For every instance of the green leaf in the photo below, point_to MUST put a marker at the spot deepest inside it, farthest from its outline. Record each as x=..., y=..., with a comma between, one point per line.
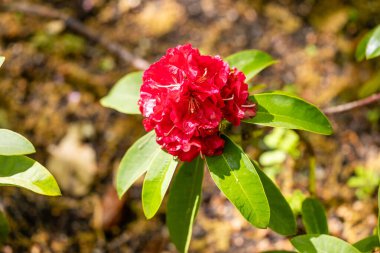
x=314, y=217
x=12, y=143
x=237, y=178
x=4, y=227
x=124, y=96
x=361, y=48
x=183, y=203
x=371, y=86
x=373, y=47
x=156, y=183
x=2, y=59
x=277, y=109
x=272, y=157
x=367, y=244
x=250, y=62
x=143, y=155
x=24, y=172
x=282, y=219
x=322, y=244
x=283, y=139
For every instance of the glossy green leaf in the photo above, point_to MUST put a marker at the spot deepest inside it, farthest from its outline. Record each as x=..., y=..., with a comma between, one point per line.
x=2, y=59
x=369, y=46
x=282, y=219
x=361, y=48
x=237, y=178
x=314, y=217
x=367, y=244
x=12, y=143
x=143, y=155
x=250, y=62
x=124, y=96
x=277, y=109
x=4, y=227
x=322, y=244
x=373, y=46
x=156, y=183
x=183, y=203
x=24, y=172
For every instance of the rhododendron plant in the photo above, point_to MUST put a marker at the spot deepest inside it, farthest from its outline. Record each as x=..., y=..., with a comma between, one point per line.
x=186, y=99
x=185, y=96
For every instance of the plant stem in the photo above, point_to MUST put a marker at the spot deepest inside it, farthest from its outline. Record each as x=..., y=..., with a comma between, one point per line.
x=312, y=177
x=353, y=105
x=45, y=11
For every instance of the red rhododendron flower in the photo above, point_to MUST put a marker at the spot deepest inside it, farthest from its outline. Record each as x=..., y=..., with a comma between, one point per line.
x=235, y=95
x=185, y=96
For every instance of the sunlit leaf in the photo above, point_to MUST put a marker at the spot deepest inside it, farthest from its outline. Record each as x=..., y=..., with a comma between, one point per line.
x=373, y=45
x=361, y=48
x=367, y=244
x=24, y=172
x=295, y=201
x=4, y=227
x=236, y=177
x=2, y=58
x=250, y=62
x=272, y=157
x=183, y=203
x=12, y=143
x=283, y=139
x=314, y=217
x=322, y=244
x=282, y=219
x=369, y=46
x=156, y=183
x=124, y=96
x=142, y=156
x=277, y=109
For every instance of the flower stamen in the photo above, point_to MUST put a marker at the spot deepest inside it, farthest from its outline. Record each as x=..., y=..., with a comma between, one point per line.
x=249, y=106
x=203, y=77
x=167, y=134
x=230, y=98
x=205, y=73
x=168, y=86
x=193, y=105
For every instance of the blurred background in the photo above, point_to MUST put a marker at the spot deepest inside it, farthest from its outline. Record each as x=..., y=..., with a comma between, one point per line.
x=63, y=56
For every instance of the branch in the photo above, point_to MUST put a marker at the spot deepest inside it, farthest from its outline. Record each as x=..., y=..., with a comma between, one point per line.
x=353, y=105
x=75, y=25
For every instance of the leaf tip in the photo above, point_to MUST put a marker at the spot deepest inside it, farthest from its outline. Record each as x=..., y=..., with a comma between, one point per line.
x=56, y=194
x=120, y=192
x=119, y=189
x=148, y=214
x=103, y=101
x=148, y=209
x=32, y=149
x=329, y=130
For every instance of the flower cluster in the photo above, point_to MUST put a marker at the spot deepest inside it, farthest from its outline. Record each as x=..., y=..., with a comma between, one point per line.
x=185, y=96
